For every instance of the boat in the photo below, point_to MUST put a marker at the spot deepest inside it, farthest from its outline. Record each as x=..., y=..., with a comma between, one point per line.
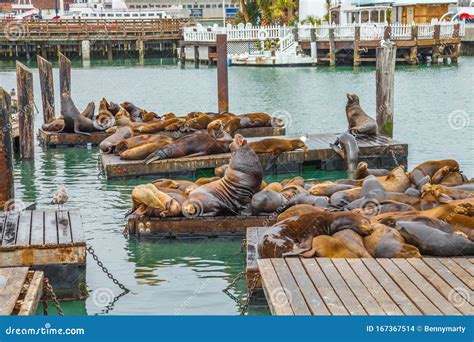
x=464, y=10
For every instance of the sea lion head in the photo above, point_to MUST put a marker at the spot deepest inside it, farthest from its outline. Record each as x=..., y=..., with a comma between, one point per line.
x=352, y=99
x=191, y=208
x=298, y=143
x=278, y=122
x=167, y=116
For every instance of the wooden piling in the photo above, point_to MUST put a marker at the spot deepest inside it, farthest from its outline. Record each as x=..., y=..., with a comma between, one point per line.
x=332, y=48
x=314, y=44
x=64, y=76
x=196, y=57
x=435, y=52
x=356, y=46
x=24, y=81
x=385, y=72
x=47, y=89
x=6, y=150
x=222, y=77
x=182, y=56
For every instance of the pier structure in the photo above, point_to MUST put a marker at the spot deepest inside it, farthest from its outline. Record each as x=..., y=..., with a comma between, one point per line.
x=90, y=38
x=326, y=44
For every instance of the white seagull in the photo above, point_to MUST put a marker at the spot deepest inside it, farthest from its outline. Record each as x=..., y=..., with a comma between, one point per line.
x=60, y=198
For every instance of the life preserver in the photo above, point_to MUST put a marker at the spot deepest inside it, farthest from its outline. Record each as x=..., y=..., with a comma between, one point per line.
x=262, y=34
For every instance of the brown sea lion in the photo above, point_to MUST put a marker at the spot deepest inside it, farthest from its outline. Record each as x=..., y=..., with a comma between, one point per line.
x=454, y=179
x=233, y=193
x=167, y=116
x=54, y=125
x=181, y=185
x=88, y=112
x=346, y=147
x=447, y=192
x=397, y=180
x=297, y=211
x=220, y=170
x=344, y=197
x=268, y=201
x=275, y=147
x=74, y=122
x=205, y=180
x=156, y=126
x=324, y=246
x=140, y=140
x=197, y=144
x=177, y=125
x=124, y=131
x=353, y=242
x=148, y=200
x=274, y=186
x=429, y=168
x=259, y=120
x=196, y=123
x=362, y=171
x=328, y=188
x=359, y=121
x=142, y=151
x=386, y=242
x=135, y=112
x=104, y=116
x=440, y=175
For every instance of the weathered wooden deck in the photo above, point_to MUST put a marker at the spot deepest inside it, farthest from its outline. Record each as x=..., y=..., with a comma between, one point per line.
x=46, y=240
x=376, y=150
x=20, y=291
x=199, y=227
x=322, y=286
x=55, y=139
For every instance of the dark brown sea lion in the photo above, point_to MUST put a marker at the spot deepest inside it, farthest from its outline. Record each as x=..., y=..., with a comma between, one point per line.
x=74, y=122
x=362, y=171
x=346, y=147
x=88, y=112
x=429, y=168
x=440, y=175
x=275, y=147
x=140, y=140
x=434, y=242
x=268, y=201
x=113, y=107
x=233, y=193
x=353, y=242
x=197, y=144
x=135, y=112
x=324, y=246
x=124, y=131
x=297, y=211
x=359, y=121
x=386, y=242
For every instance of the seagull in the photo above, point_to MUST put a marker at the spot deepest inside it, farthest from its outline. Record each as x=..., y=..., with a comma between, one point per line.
x=60, y=198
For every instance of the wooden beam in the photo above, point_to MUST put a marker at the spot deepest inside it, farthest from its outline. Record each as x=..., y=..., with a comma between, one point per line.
x=47, y=88
x=64, y=76
x=222, y=78
x=6, y=150
x=332, y=48
x=24, y=80
x=385, y=75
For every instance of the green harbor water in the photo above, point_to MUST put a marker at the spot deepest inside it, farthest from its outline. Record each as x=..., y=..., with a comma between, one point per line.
x=434, y=114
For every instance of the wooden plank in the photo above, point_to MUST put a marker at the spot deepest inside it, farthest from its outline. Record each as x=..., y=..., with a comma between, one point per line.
x=461, y=288
x=33, y=295
x=428, y=290
x=331, y=299
x=278, y=301
x=50, y=227
x=64, y=77
x=45, y=69
x=14, y=279
x=11, y=226
x=64, y=228
x=37, y=228
x=7, y=191
x=365, y=298
x=24, y=228
x=42, y=256
x=374, y=287
x=459, y=272
x=288, y=283
x=306, y=286
x=340, y=287
x=398, y=296
x=442, y=286
x=466, y=264
x=77, y=230
x=3, y=217
x=24, y=81
x=416, y=296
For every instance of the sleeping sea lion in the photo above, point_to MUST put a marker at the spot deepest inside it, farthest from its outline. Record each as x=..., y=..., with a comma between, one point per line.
x=397, y=180
x=74, y=122
x=328, y=188
x=274, y=186
x=346, y=147
x=304, y=197
x=104, y=116
x=124, y=131
x=429, y=168
x=205, y=180
x=353, y=242
x=143, y=151
x=386, y=242
x=140, y=140
x=275, y=147
x=233, y=193
x=324, y=246
x=259, y=120
x=297, y=211
x=268, y=201
x=148, y=200
x=359, y=121
x=362, y=171
x=54, y=125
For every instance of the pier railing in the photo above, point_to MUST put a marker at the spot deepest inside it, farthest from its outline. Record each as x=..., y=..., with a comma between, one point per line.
x=236, y=33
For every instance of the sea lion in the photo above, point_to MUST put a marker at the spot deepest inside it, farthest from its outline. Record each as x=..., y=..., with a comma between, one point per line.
x=104, y=116
x=140, y=140
x=295, y=181
x=148, y=200
x=259, y=120
x=274, y=186
x=135, y=112
x=362, y=171
x=297, y=211
x=205, y=180
x=346, y=147
x=446, y=192
x=177, y=125
x=275, y=147
x=353, y=242
x=113, y=108
x=54, y=125
x=197, y=144
x=268, y=201
x=157, y=126
x=440, y=174
x=88, y=112
x=359, y=121
x=196, y=123
x=344, y=197
x=454, y=178
x=142, y=151
x=220, y=170
x=328, y=188
x=371, y=208
x=124, y=131
x=74, y=122
x=232, y=193
x=427, y=169
x=304, y=197
x=434, y=242
x=324, y=246
x=386, y=242
x=181, y=185
x=397, y=180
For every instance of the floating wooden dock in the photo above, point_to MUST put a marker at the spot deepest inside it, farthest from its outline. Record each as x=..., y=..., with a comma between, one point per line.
x=46, y=240
x=377, y=151
x=55, y=139
x=20, y=291
x=199, y=227
x=323, y=286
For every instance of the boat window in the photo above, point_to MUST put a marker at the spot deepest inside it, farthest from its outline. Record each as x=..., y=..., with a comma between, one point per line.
x=110, y=15
x=102, y=15
x=159, y=15
x=85, y=15
x=118, y=14
x=208, y=6
x=135, y=15
x=214, y=5
x=151, y=14
x=132, y=6
x=93, y=15
x=126, y=15
x=201, y=6
x=220, y=5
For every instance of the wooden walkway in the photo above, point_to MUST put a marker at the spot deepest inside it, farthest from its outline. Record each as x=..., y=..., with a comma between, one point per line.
x=54, y=139
x=47, y=240
x=198, y=227
x=322, y=286
x=20, y=291
x=376, y=150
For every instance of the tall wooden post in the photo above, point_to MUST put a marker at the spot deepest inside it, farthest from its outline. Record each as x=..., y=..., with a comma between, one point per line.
x=24, y=81
x=356, y=61
x=385, y=77
x=64, y=76
x=222, y=77
x=435, y=53
x=196, y=57
x=314, y=44
x=332, y=48
x=47, y=89
x=6, y=150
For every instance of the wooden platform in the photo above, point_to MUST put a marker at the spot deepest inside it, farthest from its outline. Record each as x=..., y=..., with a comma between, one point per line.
x=20, y=291
x=46, y=240
x=55, y=139
x=199, y=227
x=376, y=151
x=322, y=286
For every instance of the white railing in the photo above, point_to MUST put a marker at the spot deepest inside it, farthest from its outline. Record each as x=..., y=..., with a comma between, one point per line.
x=372, y=31
x=446, y=30
x=344, y=31
x=400, y=32
x=425, y=31
x=287, y=42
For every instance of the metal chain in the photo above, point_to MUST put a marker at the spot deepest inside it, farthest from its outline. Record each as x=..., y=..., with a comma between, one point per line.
x=232, y=284
x=105, y=270
x=250, y=293
x=109, y=307
x=45, y=300
x=242, y=248
x=49, y=291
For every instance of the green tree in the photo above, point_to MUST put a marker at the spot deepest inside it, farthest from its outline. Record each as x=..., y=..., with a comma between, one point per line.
x=282, y=11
